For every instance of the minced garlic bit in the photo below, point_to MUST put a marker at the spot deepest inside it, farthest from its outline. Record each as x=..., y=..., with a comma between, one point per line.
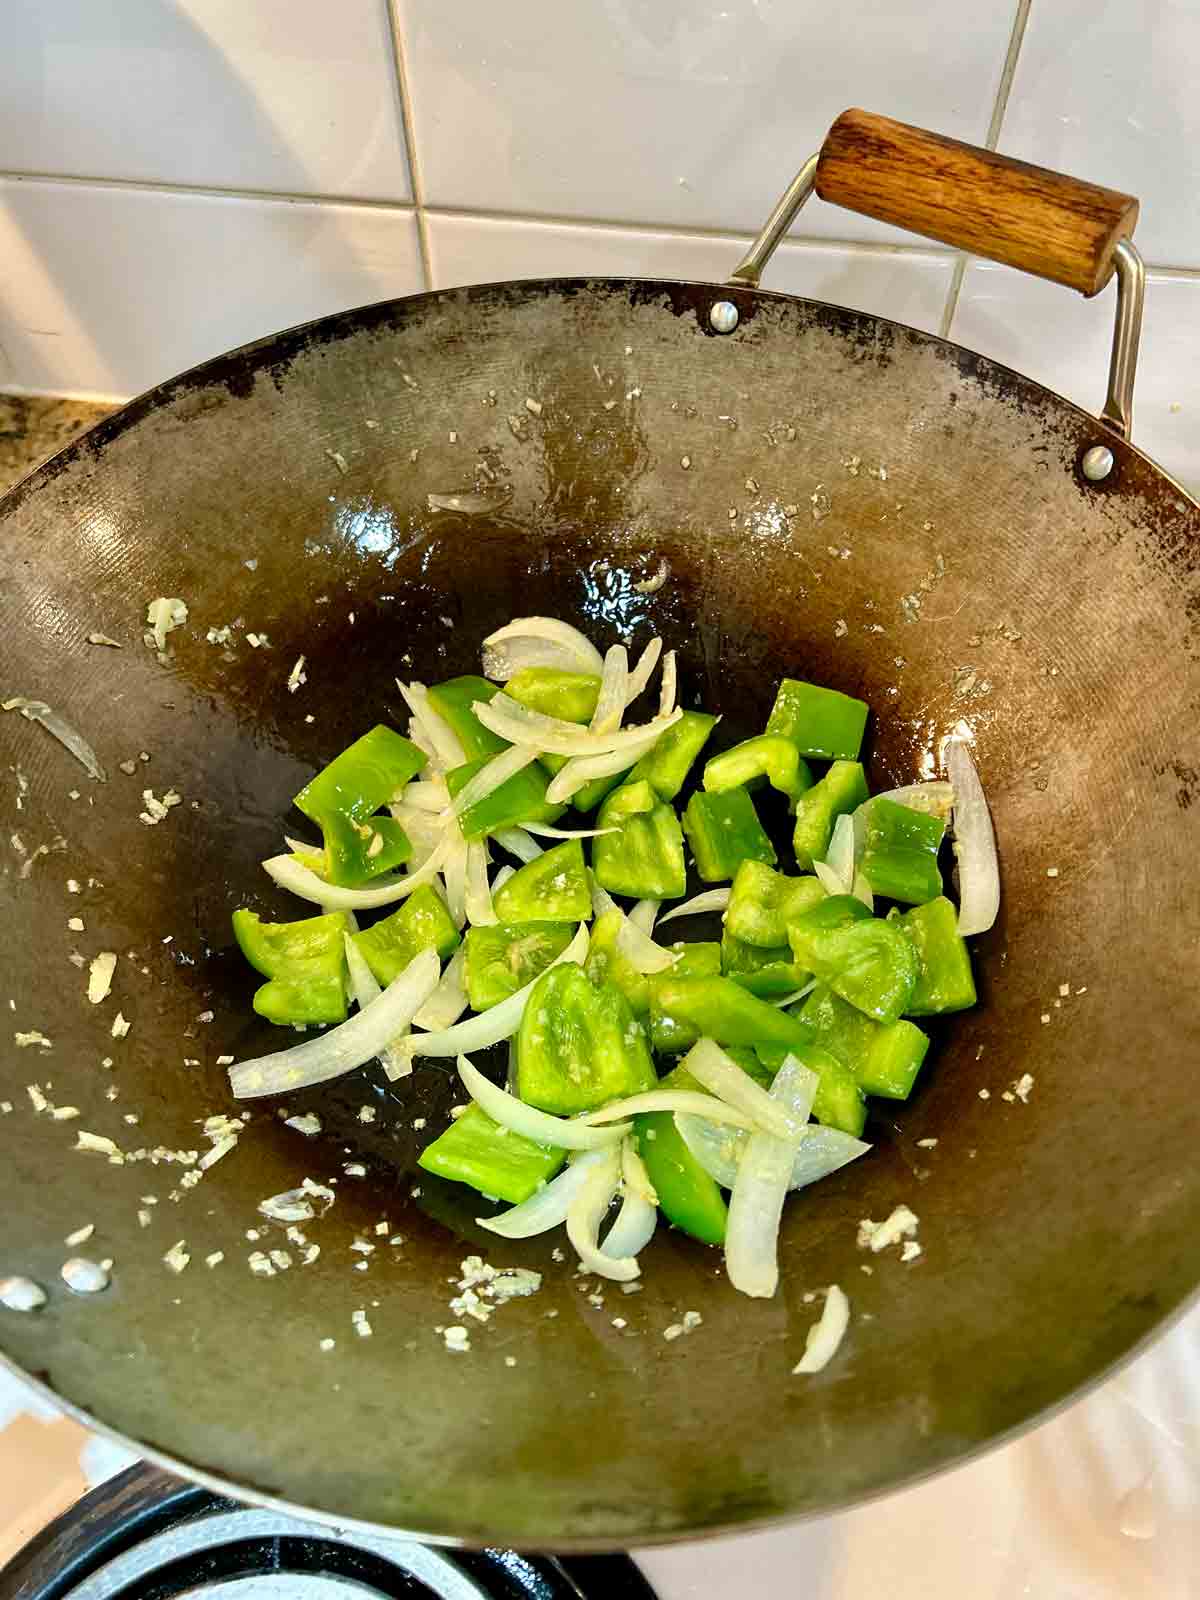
x=877, y=1236
x=36, y=1098
x=156, y=809
x=214, y=1259
x=308, y=1124
x=164, y=616
x=361, y=1326
x=673, y=1332
x=82, y=1276
x=260, y=1264
x=926, y=1144
x=910, y=1250
x=691, y=1319
x=1022, y=1087
x=24, y=1040
x=120, y=1027
x=21, y=1294
x=457, y=1340
x=100, y=976
x=327, y=1344
x=96, y=1142
x=144, y=1217
x=177, y=1256
x=338, y=460
x=76, y=924
x=1052, y=872
x=366, y=1113
x=103, y=638
x=297, y=675
x=65, y=1113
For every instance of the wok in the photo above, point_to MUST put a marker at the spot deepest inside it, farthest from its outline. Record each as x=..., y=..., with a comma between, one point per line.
x=285, y=485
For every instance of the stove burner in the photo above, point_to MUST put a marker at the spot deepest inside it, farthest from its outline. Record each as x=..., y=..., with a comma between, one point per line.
x=145, y=1535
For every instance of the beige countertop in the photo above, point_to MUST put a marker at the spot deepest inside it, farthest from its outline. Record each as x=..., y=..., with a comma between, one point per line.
x=33, y=428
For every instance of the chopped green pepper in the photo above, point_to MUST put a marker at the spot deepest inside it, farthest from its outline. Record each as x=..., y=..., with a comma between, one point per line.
x=763, y=902
x=579, y=1045
x=553, y=887
x=687, y=1195
x=522, y=798
x=723, y=831
x=356, y=852
x=452, y=701
x=305, y=963
x=768, y=973
x=699, y=958
x=606, y=964
x=884, y=1059
x=367, y=774
x=645, y=858
x=945, y=981
x=900, y=851
x=571, y=696
x=503, y=957
x=722, y=1010
x=501, y=1164
x=770, y=756
x=667, y=765
x=868, y=962
x=838, y=1102
x=421, y=923
x=819, y=722
x=843, y=788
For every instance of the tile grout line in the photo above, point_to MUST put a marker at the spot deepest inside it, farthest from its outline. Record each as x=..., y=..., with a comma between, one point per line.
x=1004, y=90
x=410, y=139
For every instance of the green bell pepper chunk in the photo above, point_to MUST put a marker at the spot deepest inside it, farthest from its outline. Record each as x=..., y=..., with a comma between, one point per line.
x=700, y=958
x=305, y=963
x=885, y=1060
x=356, y=852
x=553, y=887
x=843, y=788
x=571, y=696
x=687, y=1195
x=767, y=973
x=667, y=765
x=452, y=700
x=606, y=964
x=723, y=831
x=499, y=1163
x=900, y=852
x=763, y=902
x=644, y=858
x=819, y=722
x=770, y=756
x=503, y=957
x=421, y=923
x=522, y=798
x=579, y=1045
x=945, y=981
x=367, y=774
x=868, y=962
x=720, y=1009
x=838, y=1102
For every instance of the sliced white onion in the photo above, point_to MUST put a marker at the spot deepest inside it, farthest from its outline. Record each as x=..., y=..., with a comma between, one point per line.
x=580, y=770
x=719, y=1150
x=724, y=1078
x=548, y=1207
x=602, y=901
x=708, y=900
x=348, y=1045
x=427, y=794
x=449, y=1000
x=454, y=872
x=640, y=950
x=634, y=1176
x=841, y=855
x=700, y=1105
x=829, y=880
x=59, y=728
x=796, y=994
x=506, y=872
x=565, y=1133
x=974, y=844
x=545, y=830
x=447, y=746
x=586, y=1213
x=760, y=1188
x=289, y=873
x=644, y=671
x=862, y=891
x=614, y=691
x=477, y=899
x=365, y=988
x=424, y=831
x=644, y=914
x=489, y=778
x=585, y=656
x=825, y=1335
x=520, y=725
x=518, y=843
x=633, y=1229
x=669, y=685
x=503, y=661
x=496, y=1024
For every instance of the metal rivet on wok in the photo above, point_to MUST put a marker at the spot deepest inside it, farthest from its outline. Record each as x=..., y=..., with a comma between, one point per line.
x=1097, y=463
x=723, y=318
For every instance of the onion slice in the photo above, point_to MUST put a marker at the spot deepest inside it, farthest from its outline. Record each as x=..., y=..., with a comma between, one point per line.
x=447, y=746
x=707, y=900
x=644, y=914
x=842, y=856
x=633, y=1229
x=700, y=1105
x=488, y=779
x=829, y=880
x=974, y=844
x=477, y=899
x=586, y=1213
x=448, y=1001
x=518, y=843
x=496, y=1024
x=552, y=735
x=640, y=950
x=634, y=1176
x=454, y=871
x=565, y=1133
x=614, y=691
x=724, y=1078
x=584, y=657
x=644, y=671
x=546, y=830
x=760, y=1188
x=291, y=874
x=59, y=728
x=580, y=770
x=348, y=1045
x=548, y=1207
x=366, y=988
x=822, y=1150
x=669, y=685
x=825, y=1335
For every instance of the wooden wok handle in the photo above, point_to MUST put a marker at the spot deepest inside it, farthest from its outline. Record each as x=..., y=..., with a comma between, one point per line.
x=1042, y=222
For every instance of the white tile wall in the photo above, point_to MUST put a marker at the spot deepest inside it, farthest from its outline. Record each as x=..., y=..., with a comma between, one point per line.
x=177, y=176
